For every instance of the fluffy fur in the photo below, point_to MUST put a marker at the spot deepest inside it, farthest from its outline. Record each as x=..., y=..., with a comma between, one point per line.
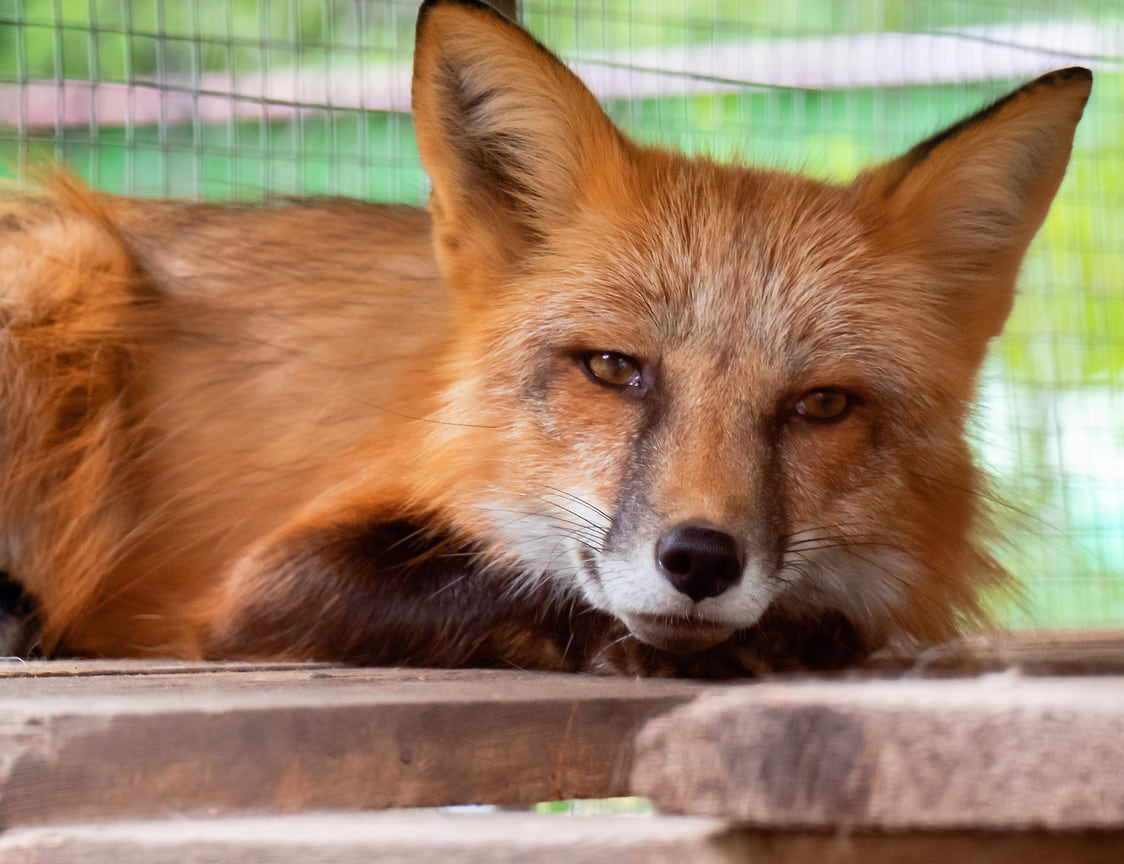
x=636, y=411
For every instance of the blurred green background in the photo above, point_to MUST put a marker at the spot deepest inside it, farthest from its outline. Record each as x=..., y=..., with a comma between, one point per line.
x=246, y=98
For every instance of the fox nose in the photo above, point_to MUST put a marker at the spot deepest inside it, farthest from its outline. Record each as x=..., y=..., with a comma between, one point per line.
x=700, y=562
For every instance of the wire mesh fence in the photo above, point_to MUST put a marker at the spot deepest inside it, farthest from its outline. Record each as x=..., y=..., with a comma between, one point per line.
x=248, y=98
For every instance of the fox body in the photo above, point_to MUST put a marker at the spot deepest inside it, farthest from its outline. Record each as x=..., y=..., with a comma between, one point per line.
x=603, y=407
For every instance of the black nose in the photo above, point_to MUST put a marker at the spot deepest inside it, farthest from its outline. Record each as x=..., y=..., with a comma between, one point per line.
x=700, y=562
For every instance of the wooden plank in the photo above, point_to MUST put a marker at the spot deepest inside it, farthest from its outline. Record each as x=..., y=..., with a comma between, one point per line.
x=928, y=847
x=118, y=739
x=994, y=752
x=15, y=667
x=500, y=838
x=233, y=739
x=389, y=838
x=1031, y=652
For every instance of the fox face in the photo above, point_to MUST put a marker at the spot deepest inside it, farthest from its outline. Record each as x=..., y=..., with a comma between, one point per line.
x=718, y=435
x=726, y=406
x=710, y=391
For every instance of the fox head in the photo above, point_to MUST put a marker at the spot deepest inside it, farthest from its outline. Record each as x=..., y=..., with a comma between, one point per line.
x=693, y=392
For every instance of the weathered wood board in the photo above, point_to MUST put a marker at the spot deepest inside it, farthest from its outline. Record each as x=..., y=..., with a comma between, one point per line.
x=506, y=838
x=198, y=739
x=1001, y=751
x=130, y=761
x=387, y=838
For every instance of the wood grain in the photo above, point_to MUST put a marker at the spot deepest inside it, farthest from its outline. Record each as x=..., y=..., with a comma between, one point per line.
x=388, y=838
x=97, y=746
x=906, y=745
x=507, y=838
x=995, y=752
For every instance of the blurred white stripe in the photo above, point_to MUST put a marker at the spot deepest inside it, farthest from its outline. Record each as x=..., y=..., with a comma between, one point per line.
x=1010, y=51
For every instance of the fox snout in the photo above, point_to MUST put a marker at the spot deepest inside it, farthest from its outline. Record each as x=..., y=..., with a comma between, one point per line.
x=699, y=559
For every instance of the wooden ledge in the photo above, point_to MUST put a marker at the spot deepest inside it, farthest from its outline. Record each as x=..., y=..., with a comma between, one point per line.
x=886, y=749
x=389, y=838
x=505, y=838
x=223, y=738
x=999, y=751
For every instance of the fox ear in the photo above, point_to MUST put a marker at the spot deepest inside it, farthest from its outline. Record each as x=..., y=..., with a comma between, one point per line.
x=969, y=200
x=511, y=139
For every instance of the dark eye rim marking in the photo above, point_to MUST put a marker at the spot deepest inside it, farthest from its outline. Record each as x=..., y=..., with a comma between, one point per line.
x=806, y=408
x=635, y=385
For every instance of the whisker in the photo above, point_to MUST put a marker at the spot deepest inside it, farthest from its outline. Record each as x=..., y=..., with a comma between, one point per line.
x=1002, y=504
x=394, y=413
x=579, y=500
x=523, y=514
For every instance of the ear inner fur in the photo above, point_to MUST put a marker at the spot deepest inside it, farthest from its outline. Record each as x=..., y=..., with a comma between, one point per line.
x=968, y=201
x=512, y=141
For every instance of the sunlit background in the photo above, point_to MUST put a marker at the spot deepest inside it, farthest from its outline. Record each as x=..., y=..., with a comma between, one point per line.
x=248, y=98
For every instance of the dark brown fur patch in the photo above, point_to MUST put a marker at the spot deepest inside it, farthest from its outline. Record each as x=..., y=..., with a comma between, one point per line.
x=396, y=592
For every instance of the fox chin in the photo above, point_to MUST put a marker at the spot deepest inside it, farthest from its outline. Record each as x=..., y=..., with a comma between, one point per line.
x=602, y=406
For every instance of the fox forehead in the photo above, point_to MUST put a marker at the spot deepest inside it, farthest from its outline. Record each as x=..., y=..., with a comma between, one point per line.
x=736, y=264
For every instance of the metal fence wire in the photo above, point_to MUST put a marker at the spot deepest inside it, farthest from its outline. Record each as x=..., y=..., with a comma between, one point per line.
x=247, y=98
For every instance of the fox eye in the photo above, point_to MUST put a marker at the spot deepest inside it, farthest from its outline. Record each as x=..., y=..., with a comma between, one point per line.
x=824, y=405
x=612, y=369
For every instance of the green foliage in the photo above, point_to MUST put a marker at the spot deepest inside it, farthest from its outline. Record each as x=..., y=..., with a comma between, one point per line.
x=367, y=155
x=596, y=807
x=121, y=40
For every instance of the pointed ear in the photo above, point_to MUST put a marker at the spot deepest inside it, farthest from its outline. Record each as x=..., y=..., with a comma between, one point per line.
x=511, y=139
x=968, y=201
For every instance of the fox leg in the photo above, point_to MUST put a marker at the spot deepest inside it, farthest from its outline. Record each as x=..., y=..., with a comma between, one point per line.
x=387, y=592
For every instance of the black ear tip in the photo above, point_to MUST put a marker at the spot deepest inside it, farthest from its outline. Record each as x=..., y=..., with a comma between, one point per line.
x=1063, y=77
x=429, y=5
x=1074, y=73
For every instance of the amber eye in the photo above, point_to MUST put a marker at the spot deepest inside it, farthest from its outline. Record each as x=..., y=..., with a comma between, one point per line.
x=611, y=368
x=825, y=404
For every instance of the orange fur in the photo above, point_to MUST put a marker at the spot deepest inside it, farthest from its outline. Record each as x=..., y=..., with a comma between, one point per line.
x=295, y=431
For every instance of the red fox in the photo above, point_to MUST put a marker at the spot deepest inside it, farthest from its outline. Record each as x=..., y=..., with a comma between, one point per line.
x=603, y=407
